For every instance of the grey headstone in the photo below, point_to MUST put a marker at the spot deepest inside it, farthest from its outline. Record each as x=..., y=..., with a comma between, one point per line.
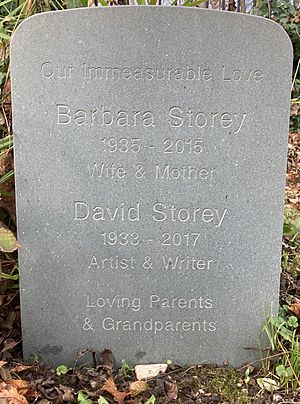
x=145, y=135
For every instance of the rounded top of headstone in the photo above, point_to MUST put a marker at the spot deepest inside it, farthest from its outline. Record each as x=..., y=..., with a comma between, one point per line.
x=266, y=30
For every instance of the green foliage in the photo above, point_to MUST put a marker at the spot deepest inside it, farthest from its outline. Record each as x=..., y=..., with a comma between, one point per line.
x=82, y=398
x=126, y=369
x=192, y=3
x=282, y=334
x=291, y=232
x=9, y=277
x=291, y=227
x=284, y=14
x=282, y=331
x=102, y=400
x=6, y=143
x=151, y=400
x=8, y=241
x=225, y=383
x=247, y=375
x=61, y=370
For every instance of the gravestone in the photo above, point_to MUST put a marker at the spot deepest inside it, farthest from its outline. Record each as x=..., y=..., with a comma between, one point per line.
x=150, y=148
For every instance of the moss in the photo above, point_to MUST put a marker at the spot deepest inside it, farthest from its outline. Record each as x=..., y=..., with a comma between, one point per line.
x=228, y=384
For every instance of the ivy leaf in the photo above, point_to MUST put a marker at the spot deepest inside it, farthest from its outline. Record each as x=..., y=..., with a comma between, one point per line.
x=61, y=370
x=8, y=241
x=102, y=400
x=292, y=322
x=280, y=370
x=82, y=398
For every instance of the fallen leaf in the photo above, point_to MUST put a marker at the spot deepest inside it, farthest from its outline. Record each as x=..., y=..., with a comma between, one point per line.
x=171, y=389
x=111, y=388
x=137, y=387
x=119, y=396
x=21, y=385
x=68, y=395
x=11, y=394
x=21, y=368
x=295, y=308
x=2, y=119
x=102, y=400
x=5, y=374
x=8, y=241
x=2, y=363
x=7, y=88
x=32, y=394
x=9, y=344
x=9, y=324
x=268, y=384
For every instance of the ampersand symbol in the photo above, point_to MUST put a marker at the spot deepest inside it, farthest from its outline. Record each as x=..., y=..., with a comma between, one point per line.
x=87, y=326
x=139, y=173
x=147, y=263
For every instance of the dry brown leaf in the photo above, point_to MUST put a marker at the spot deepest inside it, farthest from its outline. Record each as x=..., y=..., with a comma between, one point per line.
x=32, y=394
x=68, y=394
x=6, y=90
x=5, y=374
x=2, y=119
x=28, y=6
x=111, y=388
x=11, y=394
x=21, y=385
x=137, y=387
x=8, y=345
x=171, y=389
x=295, y=308
x=21, y=368
x=119, y=396
x=2, y=363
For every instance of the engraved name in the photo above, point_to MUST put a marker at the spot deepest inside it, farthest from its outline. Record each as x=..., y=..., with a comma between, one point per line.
x=200, y=119
x=103, y=116
x=173, y=213
x=105, y=213
x=161, y=212
x=178, y=116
